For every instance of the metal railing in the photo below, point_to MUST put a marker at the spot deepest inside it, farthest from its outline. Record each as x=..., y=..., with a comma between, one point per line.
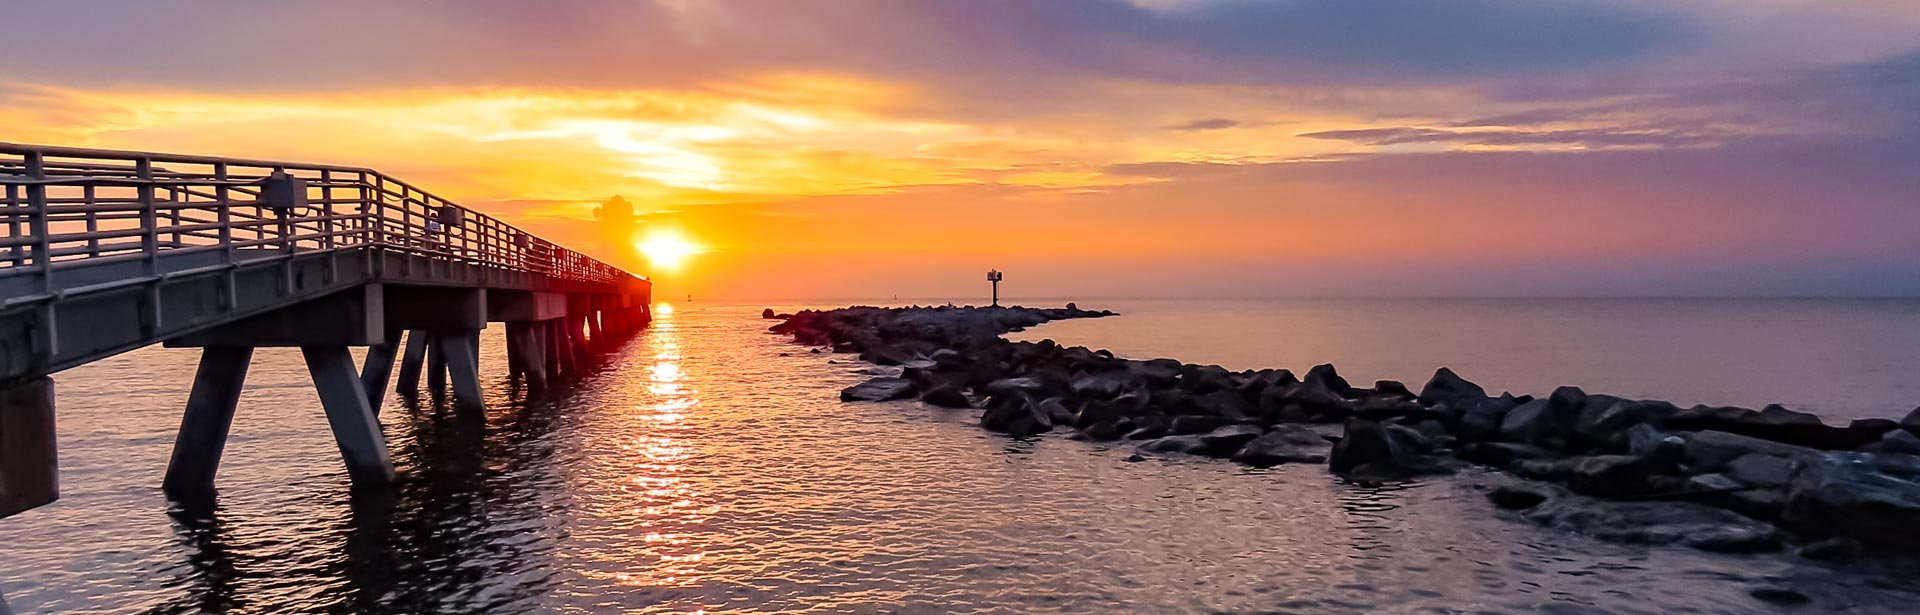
x=70, y=207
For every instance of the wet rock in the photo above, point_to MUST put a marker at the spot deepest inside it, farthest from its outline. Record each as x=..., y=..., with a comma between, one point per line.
x=1515, y=497
x=1195, y=424
x=1190, y=444
x=1225, y=404
x=1779, y=595
x=1761, y=470
x=1099, y=386
x=1013, y=386
x=1446, y=387
x=1607, y=475
x=1099, y=432
x=946, y=396
x=1709, y=451
x=1710, y=418
x=1149, y=426
x=1912, y=420
x=1285, y=444
x=1016, y=416
x=767, y=314
x=1644, y=439
x=1684, y=523
x=1379, y=408
x=1874, y=498
x=1375, y=450
x=879, y=389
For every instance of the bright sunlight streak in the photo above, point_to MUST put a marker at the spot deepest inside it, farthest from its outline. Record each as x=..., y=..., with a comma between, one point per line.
x=668, y=250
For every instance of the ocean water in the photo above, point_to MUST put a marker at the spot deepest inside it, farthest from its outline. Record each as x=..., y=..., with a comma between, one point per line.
x=1839, y=358
x=709, y=467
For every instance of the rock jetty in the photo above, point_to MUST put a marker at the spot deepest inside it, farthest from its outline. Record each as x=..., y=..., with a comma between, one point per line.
x=1645, y=471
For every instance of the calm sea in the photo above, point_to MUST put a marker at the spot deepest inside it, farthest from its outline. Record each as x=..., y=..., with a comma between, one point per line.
x=1838, y=358
x=709, y=467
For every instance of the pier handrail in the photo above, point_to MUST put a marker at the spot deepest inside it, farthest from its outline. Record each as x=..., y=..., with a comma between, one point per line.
x=67, y=207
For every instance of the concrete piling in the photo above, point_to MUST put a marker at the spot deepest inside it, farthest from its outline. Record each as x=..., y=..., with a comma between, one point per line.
x=410, y=363
x=207, y=421
x=377, y=370
x=29, y=464
x=355, y=429
x=456, y=349
x=436, y=364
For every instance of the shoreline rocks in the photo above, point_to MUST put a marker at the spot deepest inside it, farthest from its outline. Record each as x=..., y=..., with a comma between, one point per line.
x=1643, y=471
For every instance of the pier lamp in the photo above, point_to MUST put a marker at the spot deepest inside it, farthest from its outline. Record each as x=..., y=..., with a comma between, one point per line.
x=994, y=277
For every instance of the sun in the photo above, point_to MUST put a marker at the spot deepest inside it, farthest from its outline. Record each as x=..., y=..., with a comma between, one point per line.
x=668, y=250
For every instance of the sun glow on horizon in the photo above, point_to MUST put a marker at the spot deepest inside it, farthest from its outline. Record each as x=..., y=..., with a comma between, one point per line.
x=668, y=249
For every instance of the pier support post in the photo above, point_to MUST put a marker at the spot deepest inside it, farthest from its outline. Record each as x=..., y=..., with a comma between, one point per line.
x=377, y=371
x=29, y=464
x=354, y=427
x=457, y=350
x=558, y=359
x=523, y=345
x=208, y=419
x=436, y=364
x=410, y=362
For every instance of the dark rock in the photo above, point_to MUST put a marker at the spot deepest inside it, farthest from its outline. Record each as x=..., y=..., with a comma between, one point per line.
x=1191, y=444
x=1607, y=475
x=1644, y=439
x=1148, y=426
x=1099, y=432
x=1013, y=386
x=1874, y=498
x=946, y=396
x=1313, y=397
x=1098, y=386
x=1709, y=451
x=1446, y=387
x=1779, y=595
x=880, y=389
x=1056, y=411
x=1776, y=414
x=1705, y=418
x=1874, y=425
x=1514, y=497
x=1833, y=550
x=1604, y=421
x=1482, y=419
x=1695, y=525
x=1896, y=441
x=1761, y=470
x=1016, y=416
x=1285, y=444
x=1380, y=408
x=1532, y=422
x=1912, y=420
x=1225, y=403
x=1202, y=379
x=1194, y=424
x=1325, y=376
x=1392, y=388
x=767, y=313
x=1227, y=440
x=1365, y=442
x=1135, y=458
x=1499, y=454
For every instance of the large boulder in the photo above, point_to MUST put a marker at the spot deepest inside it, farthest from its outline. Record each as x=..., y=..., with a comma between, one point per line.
x=1545, y=422
x=1285, y=444
x=1761, y=470
x=1607, y=475
x=1685, y=523
x=880, y=389
x=1896, y=441
x=1016, y=416
x=1446, y=387
x=1604, y=421
x=1481, y=419
x=1874, y=498
x=1376, y=450
x=946, y=396
x=1710, y=451
x=1912, y=420
x=1324, y=375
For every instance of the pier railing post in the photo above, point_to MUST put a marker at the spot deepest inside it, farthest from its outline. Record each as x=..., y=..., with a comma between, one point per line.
x=208, y=419
x=354, y=427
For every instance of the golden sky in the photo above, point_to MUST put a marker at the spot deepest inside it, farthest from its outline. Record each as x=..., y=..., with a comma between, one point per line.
x=1089, y=148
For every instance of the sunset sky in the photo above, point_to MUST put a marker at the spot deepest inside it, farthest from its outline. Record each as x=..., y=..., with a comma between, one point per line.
x=1087, y=147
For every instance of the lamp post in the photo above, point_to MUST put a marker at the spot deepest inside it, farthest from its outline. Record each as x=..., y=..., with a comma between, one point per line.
x=994, y=277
